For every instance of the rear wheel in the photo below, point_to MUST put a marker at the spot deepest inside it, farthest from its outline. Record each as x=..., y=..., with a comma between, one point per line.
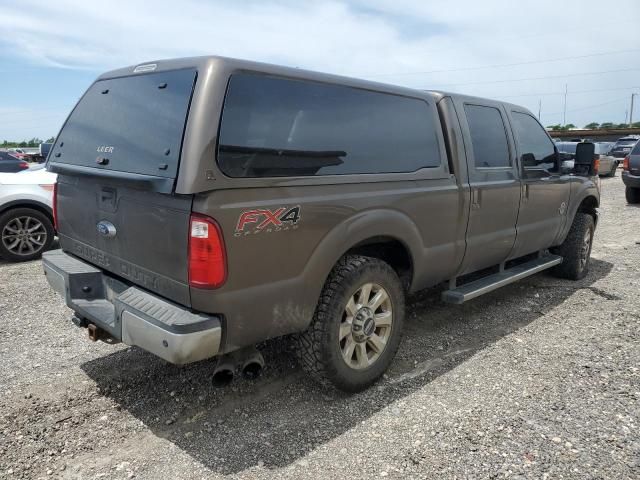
x=614, y=168
x=576, y=248
x=24, y=234
x=632, y=194
x=357, y=325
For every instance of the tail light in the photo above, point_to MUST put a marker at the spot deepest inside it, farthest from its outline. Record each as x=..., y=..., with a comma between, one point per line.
x=207, y=256
x=596, y=164
x=54, y=206
x=625, y=163
x=23, y=165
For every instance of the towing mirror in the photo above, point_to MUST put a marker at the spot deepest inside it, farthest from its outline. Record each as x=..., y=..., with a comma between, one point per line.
x=585, y=160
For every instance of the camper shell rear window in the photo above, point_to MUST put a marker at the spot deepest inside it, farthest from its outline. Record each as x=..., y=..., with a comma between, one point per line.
x=129, y=124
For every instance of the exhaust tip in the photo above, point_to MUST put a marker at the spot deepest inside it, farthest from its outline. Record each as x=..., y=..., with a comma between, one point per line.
x=222, y=377
x=252, y=370
x=252, y=367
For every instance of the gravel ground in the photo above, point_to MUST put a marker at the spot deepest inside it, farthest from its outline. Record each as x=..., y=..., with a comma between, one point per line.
x=537, y=380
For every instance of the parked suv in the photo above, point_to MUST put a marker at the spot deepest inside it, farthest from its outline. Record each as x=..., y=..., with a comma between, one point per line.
x=208, y=204
x=631, y=175
x=26, y=214
x=624, y=145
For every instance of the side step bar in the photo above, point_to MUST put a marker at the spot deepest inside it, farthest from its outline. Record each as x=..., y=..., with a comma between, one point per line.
x=505, y=277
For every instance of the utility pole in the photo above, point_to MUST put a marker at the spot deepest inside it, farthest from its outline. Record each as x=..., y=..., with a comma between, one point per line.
x=631, y=110
x=564, y=110
x=539, y=108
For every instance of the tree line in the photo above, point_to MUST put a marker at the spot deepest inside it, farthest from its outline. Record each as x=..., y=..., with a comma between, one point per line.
x=593, y=126
x=34, y=142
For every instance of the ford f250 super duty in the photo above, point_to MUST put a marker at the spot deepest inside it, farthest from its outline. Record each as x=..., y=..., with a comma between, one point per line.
x=204, y=205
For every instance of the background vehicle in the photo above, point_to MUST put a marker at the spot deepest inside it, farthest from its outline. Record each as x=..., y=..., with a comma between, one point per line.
x=26, y=213
x=623, y=146
x=10, y=163
x=44, y=148
x=299, y=203
x=18, y=153
x=631, y=175
x=608, y=164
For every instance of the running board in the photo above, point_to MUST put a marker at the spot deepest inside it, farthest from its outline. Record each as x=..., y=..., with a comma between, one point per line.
x=505, y=277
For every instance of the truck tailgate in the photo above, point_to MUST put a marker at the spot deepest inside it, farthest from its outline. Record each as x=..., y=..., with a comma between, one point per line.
x=139, y=235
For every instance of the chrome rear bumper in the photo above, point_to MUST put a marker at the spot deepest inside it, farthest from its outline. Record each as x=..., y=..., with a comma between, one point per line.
x=132, y=315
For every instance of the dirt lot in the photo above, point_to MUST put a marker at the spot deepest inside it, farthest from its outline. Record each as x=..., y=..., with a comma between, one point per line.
x=539, y=379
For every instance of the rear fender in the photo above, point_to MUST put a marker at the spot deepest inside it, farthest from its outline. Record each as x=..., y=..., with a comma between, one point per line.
x=353, y=231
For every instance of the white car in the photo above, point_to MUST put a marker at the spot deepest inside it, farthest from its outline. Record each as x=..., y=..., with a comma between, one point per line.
x=26, y=213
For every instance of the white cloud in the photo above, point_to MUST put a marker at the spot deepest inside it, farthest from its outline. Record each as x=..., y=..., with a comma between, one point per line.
x=380, y=39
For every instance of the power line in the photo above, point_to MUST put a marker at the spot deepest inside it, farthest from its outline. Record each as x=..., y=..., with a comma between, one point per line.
x=533, y=78
x=588, y=107
x=572, y=92
x=500, y=65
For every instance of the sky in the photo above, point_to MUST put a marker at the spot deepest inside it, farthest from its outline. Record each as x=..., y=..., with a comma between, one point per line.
x=524, y=52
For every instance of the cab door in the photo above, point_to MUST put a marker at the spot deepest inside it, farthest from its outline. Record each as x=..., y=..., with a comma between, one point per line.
x=494, y=183
x=545, y=191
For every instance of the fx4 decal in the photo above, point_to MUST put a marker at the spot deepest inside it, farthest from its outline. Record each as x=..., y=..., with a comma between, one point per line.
x=262, y=220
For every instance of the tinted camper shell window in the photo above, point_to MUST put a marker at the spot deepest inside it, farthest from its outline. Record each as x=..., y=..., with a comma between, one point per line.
x=275, y=127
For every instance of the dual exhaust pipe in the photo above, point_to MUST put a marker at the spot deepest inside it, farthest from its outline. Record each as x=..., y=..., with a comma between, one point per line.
x=249, y=361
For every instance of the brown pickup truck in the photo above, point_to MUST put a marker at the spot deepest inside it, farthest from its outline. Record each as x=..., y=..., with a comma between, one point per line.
x=206, y=204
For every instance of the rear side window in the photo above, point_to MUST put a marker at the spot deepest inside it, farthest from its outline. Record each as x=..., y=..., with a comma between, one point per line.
x=536, y=148
x=130, y=124
x=488, y=136
x=275, y=127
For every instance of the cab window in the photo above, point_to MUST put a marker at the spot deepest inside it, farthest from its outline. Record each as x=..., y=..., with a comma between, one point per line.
x=535, y=147
x=488, y=136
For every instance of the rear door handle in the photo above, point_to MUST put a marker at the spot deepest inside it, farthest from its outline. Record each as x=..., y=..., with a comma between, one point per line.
x=476, y=198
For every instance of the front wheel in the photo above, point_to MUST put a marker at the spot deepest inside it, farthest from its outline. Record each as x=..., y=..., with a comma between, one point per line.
x=576, y=248
x=632, y=195
x=357, y=325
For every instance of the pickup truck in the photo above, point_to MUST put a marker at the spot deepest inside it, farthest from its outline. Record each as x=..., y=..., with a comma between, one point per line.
x=205, y=205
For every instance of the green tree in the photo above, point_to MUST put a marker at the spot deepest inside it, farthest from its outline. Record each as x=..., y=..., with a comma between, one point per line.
x=50, y=140
x=592, y=125
x=568, y=126
x=606, y=125
x=555, y=128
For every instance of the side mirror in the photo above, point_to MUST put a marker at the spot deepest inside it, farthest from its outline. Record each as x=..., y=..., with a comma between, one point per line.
x=585, y=159
x=528, y=160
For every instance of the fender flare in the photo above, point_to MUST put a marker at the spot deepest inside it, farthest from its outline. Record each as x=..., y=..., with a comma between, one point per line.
x=575, y=206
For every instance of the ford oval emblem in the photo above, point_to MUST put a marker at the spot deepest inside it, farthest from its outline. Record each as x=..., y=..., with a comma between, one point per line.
x=107, y=229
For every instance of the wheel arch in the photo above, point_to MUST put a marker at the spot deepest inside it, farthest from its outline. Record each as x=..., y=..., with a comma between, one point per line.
x=41, y=207
x=589, y=203
x=385, y=234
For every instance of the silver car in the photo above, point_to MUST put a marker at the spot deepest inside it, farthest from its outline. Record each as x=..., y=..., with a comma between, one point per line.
x=608, y=163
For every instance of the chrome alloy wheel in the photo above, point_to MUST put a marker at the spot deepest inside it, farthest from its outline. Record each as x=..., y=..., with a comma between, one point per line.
x=585, y=250
x=24, y=235
x=366, y=326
